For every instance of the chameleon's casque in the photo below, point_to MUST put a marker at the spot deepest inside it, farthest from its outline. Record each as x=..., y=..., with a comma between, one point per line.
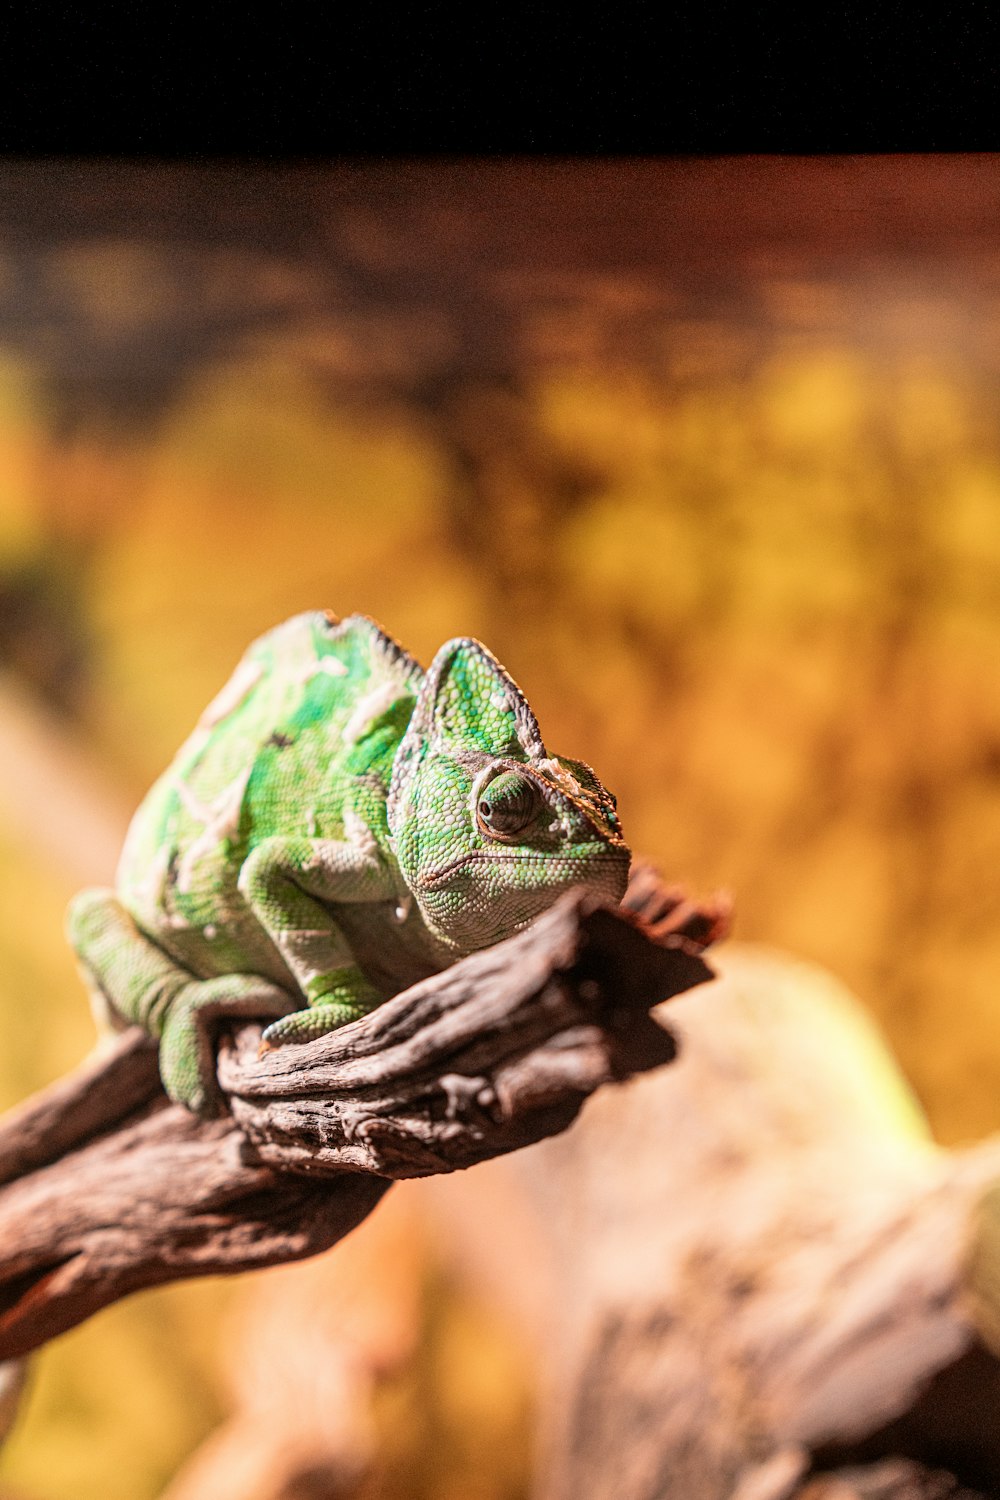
x=339, y=825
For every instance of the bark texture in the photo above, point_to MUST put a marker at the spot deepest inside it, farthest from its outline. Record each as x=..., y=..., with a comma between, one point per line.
x=108, y=1187
x=749, y=1276
x=757, y=1278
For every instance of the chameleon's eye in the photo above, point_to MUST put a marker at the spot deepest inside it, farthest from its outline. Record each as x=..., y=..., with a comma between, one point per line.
x=506, y=804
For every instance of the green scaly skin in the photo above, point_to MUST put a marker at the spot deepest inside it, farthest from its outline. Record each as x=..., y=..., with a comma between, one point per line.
x=339, y=825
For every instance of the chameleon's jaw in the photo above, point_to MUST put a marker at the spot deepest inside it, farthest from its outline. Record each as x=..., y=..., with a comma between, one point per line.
x=484, y=895
x=566, y=871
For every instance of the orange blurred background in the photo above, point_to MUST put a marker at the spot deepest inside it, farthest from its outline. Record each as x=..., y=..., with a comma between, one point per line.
x=707, y=451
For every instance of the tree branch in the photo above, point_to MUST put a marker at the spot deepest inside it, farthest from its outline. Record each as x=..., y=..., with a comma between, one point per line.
x=109, y=1187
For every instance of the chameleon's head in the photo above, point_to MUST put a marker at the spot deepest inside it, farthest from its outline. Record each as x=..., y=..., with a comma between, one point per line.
x=487, y=827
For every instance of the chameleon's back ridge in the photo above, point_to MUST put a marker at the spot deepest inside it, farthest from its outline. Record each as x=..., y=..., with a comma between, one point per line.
x=338, y=825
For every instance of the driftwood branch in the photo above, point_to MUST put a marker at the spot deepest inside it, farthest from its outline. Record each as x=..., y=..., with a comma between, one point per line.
x=782, y=1289
x=750, y=1276
x=108, y=1187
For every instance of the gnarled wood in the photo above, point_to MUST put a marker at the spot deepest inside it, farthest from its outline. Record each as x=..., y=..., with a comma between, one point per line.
x=755, y=1277
x=109, y=1187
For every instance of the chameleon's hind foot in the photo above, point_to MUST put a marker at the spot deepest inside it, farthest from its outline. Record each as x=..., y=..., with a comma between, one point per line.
x=131, y=979
x=187, y=1045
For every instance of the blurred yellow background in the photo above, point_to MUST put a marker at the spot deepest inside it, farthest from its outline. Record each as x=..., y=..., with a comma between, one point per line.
x=707, y=451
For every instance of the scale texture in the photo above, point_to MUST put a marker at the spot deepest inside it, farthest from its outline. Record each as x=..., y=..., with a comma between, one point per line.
x=339, y=825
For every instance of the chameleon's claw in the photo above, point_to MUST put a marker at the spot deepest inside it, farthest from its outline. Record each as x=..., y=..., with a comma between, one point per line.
x=264, y=1048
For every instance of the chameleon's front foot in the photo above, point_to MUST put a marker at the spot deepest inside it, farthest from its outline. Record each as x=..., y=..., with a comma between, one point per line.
x=333, y=1002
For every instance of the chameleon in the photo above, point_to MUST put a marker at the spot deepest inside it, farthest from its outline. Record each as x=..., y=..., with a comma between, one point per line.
x=339, y=825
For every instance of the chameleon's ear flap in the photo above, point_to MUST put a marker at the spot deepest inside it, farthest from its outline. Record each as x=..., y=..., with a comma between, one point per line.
x=469, y=702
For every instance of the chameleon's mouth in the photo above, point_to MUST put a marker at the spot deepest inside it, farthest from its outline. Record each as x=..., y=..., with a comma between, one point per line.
x=506, y=856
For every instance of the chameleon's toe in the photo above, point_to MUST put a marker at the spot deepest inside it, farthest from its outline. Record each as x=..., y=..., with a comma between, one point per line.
x=306, y=1025
x=187, y=1064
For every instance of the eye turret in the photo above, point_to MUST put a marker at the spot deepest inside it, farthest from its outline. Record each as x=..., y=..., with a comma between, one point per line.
x=506, y=805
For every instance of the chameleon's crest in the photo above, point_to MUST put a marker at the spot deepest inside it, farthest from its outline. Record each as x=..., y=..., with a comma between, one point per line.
x=470, y=702
x=468, y=706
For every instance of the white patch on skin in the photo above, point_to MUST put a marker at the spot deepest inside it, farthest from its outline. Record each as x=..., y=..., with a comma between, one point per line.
x=310, y=952
x=312, y=825
x=153, y=887
x=358, y=833
x=558, y=774
x=568, y=784
x=331, y=665
x=403, y=909
x=499, y=700
x=236, y=690
x=375, y=702
x=221, y=819
x=531, y=744
x=195, y=743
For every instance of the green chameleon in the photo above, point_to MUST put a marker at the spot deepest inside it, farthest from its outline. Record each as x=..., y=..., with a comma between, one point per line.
x=339, y=825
